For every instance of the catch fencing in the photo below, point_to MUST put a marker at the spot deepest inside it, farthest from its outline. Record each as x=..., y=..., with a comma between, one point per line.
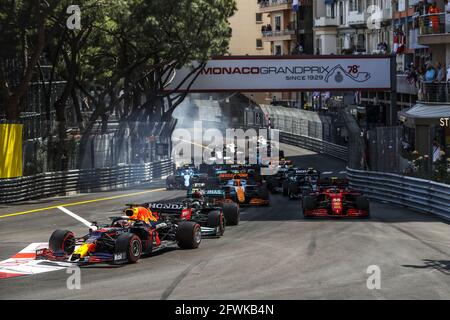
x=84, y=180
x=417, y=194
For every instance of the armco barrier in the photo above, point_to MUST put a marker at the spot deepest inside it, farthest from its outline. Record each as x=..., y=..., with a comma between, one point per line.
x=85, y=180
x=316, y=145
x=422, y=195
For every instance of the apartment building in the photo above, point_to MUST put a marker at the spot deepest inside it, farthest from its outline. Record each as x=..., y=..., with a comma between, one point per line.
x=246, y=26
x=352, y=26
x=288, y=32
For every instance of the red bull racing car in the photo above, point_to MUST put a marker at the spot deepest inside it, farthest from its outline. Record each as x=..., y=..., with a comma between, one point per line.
x=124, y=240
x=335, y=199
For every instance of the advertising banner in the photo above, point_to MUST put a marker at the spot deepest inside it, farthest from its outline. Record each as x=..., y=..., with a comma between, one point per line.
x=286, y=73
x=10, y=150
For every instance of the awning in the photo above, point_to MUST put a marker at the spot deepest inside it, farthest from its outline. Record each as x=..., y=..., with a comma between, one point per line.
x=427, y=111
x=424, y=114
x=329, y=1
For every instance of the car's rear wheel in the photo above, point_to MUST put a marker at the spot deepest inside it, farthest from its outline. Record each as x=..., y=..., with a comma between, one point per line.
x=293, y=191
x=309, y=203
x=264, y=192
x=216, y=220
x=189, y=235
x=130, y=245
x=170, y=182
x=62, y=241
x=231, y=213
x=285, y=187
x=362, y=203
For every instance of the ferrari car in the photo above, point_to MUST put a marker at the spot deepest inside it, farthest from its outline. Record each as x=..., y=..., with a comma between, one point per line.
x=124, y=240
x=335, y=199
x=184, y=177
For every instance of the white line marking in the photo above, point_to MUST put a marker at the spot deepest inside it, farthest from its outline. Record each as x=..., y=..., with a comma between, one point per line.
x=77, y=217
x=327, y=172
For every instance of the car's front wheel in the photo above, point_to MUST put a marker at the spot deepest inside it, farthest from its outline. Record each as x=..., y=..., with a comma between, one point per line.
x=62, y=241
x=128, y=247
x=189, y=235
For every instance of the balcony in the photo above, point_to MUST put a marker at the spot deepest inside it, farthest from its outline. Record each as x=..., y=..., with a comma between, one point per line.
x=356, y=18
x=281, y=35
x=386, y=14
x=266, y=6
x=433, y=29
x=326, y=22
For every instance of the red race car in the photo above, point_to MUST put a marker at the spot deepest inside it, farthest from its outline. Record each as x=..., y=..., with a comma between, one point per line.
x=334, y=198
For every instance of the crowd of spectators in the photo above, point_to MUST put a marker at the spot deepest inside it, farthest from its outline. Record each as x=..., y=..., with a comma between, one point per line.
x=432, y=81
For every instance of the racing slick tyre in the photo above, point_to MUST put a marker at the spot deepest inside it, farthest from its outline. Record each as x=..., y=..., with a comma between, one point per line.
x=216, y=220
x=170, y=182
x=189, y=235
x=130, y=244
x=62, y=241
x=231, y=213
x=292, y=191
x=285, y=187
x=270, y=183
x=362, y=203
x=264, y=193
x=308, y=203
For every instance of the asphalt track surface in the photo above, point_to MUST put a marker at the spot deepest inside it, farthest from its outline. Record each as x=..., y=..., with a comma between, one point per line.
x=272, y=254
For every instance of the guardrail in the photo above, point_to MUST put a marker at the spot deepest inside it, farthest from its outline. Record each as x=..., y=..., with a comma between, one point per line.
x=314, y=144
x=417, y=194
x=84, y=180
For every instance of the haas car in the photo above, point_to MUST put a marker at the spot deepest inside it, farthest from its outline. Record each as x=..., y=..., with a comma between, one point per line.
x=335, y=199
x=185, y=177
x=124, y=240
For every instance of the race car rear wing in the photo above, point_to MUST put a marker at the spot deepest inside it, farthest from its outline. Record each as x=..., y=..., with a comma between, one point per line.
x=208, y=193
x=332, y=182
x=166, y=208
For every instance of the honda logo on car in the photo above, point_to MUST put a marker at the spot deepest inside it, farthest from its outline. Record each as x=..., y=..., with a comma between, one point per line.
x=172, y=206
x=285, y=74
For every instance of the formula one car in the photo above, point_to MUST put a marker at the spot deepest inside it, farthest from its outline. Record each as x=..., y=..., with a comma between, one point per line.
x=245, y=192
x=335, y=199
x=210, y=218
x=184, y=177
x=124, y=240
x=278, y=183
x=302, y=182
x=216, y=198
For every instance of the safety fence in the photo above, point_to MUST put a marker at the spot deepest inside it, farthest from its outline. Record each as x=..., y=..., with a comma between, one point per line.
x=417, y=194
x=85, y=180
x=314, y=144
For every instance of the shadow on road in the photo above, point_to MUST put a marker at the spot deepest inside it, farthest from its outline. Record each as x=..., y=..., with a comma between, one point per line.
x=440, y=265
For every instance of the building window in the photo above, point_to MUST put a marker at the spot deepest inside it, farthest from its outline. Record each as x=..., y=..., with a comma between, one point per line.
x=331, y=11
x=259, y=18
x=259, y=44
x=278, y=23
x=278, y=50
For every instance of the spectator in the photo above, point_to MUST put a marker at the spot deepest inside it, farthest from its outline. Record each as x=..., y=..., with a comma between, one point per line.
x=434, y=12
x=440, y=82
x=429, y=78
x=436, y=152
